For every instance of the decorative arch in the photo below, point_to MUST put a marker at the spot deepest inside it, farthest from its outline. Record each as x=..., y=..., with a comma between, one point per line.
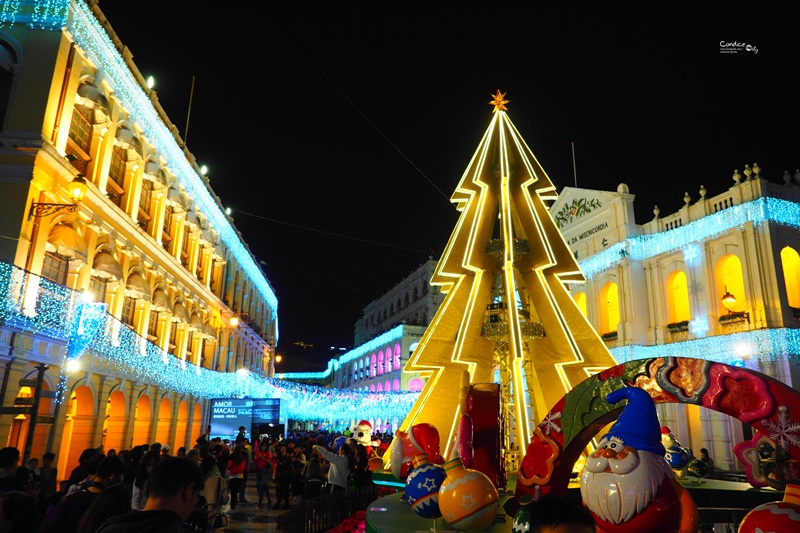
x=116, y=419
x=182, y=425
x=580, y=300
x=142, y=420
x=769, y=406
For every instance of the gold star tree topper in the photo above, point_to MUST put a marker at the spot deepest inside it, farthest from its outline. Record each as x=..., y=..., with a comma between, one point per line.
x=499, y=101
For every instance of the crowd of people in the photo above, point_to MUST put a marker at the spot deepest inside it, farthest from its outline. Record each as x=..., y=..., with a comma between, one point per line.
x=147, y=489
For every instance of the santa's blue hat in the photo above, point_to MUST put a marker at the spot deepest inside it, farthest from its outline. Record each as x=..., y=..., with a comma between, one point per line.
x=638, y=425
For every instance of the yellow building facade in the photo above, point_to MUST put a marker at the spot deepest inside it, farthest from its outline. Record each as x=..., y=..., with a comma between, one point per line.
x=118, y=297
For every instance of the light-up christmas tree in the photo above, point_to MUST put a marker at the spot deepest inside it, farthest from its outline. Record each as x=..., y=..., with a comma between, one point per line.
x=506, y=307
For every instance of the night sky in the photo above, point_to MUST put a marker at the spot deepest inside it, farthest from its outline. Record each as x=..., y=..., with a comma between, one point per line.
x=336, y=134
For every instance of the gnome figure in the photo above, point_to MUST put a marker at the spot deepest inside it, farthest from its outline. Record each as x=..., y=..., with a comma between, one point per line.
x=626, y=483
x=677, y=456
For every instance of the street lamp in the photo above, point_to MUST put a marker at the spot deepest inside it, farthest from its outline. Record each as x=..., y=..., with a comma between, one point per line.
x=728, y=300
x=77, y=189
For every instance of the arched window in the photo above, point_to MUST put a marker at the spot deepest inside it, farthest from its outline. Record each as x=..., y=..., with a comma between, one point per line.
x=677, y=292
x=373, y=369
x=397, y=356
x=380, y=362
x=372, y=388
x=580, y=301
x=379, y=388
x=387, y=386
x=790, y=261
x=388, y=361
x=609, y=308
x=396, y=384
x=730, y=279
x=415, y=384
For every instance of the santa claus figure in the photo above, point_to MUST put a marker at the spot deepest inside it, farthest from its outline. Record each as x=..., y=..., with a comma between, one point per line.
x=627, y=484
x=363, y=435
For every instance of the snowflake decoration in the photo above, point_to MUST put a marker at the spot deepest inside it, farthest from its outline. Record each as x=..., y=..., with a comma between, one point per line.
x=785, y=432
x=551, y=423
x=699, y=326
x=691, y=252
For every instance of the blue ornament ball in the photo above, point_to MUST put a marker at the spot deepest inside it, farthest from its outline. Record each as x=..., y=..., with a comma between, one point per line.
x=422, y=489
x=678, y=457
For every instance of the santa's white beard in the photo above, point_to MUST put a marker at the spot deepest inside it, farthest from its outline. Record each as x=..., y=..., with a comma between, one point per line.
x=616, y=498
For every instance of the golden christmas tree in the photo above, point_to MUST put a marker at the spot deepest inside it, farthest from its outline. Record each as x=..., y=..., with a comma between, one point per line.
x=506, y=307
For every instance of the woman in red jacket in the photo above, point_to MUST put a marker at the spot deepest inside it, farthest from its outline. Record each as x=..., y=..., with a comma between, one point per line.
x=263, y=460
x=237, y=469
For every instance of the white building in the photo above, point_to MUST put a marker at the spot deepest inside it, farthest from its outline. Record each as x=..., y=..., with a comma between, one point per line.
x=718, y=280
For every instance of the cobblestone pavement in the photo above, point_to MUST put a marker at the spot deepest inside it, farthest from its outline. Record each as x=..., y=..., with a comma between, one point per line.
x=249, y=517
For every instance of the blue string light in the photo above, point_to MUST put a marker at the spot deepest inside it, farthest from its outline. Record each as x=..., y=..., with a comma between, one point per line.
x=88, y=331
x=760, y=211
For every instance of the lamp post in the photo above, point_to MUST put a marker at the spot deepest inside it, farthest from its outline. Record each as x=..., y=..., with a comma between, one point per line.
x=728, y=300
x=77, y=189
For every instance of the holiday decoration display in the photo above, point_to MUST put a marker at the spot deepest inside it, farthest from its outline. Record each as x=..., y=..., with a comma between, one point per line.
x=774, y=517
x=626, y=483
x=677, y=456
x=503, y=274
x=363, y=435
x=462, y=446
x=468, y=500
x=422, y=487
x=423, y=438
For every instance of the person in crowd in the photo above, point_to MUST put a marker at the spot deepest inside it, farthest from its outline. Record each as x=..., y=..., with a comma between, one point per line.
x=165, y=451
x=47, y=483
x=181, y=452
x=203, y=440
x=362, y=476
x=65, y=517
x=298, y=464
x=139, y=489
x=341, y=464
x=18, y=512
x=247, y=450
x=34, y=476
x=9, y=464
x=113, y=501
x=194, y=455
x=215, y=489
x=560, y=513
x=707, y=460
x=236, y=470
x=263, y=461
x=174, y=485
x=88, y=462
x=313, y=477
x=284, y=474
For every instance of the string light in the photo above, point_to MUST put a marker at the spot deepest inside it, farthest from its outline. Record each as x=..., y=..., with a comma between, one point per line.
x=93, y=338
x=757, y=212
x=44, y=14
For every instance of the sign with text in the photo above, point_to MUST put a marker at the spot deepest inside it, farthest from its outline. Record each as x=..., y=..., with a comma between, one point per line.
x=229, y=414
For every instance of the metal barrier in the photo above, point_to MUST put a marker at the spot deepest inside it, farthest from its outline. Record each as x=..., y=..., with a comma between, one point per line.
x=326, y=511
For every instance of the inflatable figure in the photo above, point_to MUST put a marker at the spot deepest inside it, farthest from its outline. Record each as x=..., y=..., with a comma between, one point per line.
x=423, y=438
x=363, y=435
x=627, y=484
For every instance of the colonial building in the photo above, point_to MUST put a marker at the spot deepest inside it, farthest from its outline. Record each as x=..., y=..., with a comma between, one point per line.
x=385, y=337
x=718, y=280
x=128, y=297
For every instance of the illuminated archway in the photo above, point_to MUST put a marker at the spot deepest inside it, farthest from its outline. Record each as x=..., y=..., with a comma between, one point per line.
x=609, y=308
x=730, y=278
x=677, y=292
x=164, y=421
x=197, y=420
x=141, y=421
x=790, y=261
x=580, y=301
x=182, y=426
x=415, y=384
x=78, y=428
x=116, y=419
